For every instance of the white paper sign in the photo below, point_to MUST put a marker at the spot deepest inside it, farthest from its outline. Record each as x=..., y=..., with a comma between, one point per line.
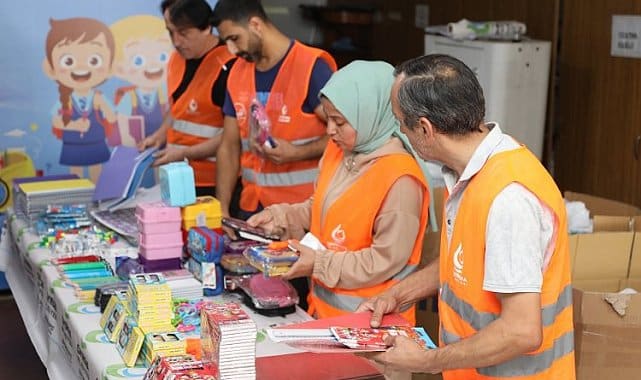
x=626, y=36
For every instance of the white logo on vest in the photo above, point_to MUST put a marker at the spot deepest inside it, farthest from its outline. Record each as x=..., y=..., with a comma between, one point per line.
x=338, y=239
x=458, y=265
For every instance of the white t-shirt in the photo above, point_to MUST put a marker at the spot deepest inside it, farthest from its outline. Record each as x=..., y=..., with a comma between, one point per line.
x=520, y=228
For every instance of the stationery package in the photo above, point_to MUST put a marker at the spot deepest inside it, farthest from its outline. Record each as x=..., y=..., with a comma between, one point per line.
x=205, y=212
x=267, y=295
x=177, y=186
x=130, y=342
x=210, y=274
x=205, y=245
x=236, y=264
x=164, y=344
x=273, y=260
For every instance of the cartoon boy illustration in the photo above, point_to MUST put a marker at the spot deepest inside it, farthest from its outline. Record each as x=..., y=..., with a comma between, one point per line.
x=143, y=48
x=79, y=57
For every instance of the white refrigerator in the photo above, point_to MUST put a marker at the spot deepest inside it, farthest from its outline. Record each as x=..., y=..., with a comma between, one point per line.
x=514, y=78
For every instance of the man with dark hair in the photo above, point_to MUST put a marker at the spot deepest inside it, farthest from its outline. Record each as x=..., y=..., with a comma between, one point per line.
x=284, y=76
x=197, y=75
x=503, y=276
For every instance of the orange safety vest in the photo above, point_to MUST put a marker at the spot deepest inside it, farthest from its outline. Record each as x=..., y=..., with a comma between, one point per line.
x=264, y=181
x=196, y=117
x=349, y=222
x=465, y=308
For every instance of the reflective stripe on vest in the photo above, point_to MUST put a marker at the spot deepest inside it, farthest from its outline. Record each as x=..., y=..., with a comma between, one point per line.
x=292, y=178
x=195, y=129
x=524, y=365
x=406, y=271
x=344, y=301
x=178, y=146
x=478, y=320
x=245, y=142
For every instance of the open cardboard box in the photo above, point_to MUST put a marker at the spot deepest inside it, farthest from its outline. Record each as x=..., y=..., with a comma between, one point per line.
x=605, y=253
x=607, y=344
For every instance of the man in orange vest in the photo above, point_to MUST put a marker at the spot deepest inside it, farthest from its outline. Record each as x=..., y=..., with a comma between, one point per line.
x=284, y=76
x=197, y=75
x=503, y=276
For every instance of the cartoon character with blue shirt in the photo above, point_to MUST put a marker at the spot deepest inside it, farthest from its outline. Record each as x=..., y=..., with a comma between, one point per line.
x=79, y=57
x=142, y=51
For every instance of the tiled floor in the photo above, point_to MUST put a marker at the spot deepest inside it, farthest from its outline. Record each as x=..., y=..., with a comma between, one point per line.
x=18, y=358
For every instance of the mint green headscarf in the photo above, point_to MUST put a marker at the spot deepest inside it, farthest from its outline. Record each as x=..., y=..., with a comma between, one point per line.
x=361, y=92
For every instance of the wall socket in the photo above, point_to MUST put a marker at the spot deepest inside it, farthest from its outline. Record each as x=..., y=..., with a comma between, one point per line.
x=422, y=16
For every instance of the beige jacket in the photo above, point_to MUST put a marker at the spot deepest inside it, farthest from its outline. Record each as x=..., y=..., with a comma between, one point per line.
x=395, y=229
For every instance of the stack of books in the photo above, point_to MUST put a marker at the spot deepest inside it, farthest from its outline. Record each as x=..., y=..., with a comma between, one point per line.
x=150, y=302
x=228, y=337
x=32, y=198
x=183, y=284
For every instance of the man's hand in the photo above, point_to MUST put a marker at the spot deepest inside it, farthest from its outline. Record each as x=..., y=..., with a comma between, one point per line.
x=304, y=266
x=380, y=305
x=168, y=155
x=403, y=354
x=265, y=220
x=150, y=141
x=281, y=153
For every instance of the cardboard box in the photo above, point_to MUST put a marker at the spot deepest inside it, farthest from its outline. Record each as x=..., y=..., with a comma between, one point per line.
x=635, y=259
x=605, y=253
x=607, y=344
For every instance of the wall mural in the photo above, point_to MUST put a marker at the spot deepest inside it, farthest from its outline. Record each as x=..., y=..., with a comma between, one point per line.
x=80, y=77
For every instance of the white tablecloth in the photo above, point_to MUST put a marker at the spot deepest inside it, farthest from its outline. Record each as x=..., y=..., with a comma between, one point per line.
x=65, y=332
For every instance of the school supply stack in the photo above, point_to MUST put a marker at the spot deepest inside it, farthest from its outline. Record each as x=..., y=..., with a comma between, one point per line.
x=32, y=198
x=122, y=221
x=229, y=340
x=177, y=185
x=205, y=248
x=183, y=285
x=62, y=218
x=84, y=274
x=160, y=239
x=150, y=302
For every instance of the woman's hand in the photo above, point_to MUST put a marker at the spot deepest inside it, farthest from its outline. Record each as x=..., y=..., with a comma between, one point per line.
x=304, y=266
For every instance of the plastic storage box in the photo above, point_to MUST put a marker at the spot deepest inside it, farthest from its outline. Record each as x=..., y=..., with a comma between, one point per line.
x=177, y=186
x=272, y=260
x=205, y=212
x=157, y=218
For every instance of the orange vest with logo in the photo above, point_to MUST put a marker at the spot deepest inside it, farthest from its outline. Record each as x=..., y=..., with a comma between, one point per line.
x=196, y=117
x=263, y=181
x=348, y=224
x=465, y=308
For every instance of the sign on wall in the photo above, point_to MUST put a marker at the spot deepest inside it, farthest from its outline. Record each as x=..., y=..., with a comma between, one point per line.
x=626, y=36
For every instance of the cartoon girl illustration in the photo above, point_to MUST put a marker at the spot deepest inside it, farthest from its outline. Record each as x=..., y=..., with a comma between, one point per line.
x=142, y=51
x=79, y=56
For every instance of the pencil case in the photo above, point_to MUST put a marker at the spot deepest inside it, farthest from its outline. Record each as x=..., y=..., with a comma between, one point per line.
x=177, y=186
x=205, y=245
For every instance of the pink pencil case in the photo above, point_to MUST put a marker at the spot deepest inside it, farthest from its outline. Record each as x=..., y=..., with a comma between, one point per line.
x=158, y=218
x=158, y=252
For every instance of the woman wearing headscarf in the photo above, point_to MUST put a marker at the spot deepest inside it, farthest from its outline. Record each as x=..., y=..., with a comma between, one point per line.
x=370, y=205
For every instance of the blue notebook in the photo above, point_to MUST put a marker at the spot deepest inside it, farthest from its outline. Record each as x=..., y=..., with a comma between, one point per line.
x=122, y=174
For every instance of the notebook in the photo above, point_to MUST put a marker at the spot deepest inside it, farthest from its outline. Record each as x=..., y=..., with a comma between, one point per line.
x=122, y=175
